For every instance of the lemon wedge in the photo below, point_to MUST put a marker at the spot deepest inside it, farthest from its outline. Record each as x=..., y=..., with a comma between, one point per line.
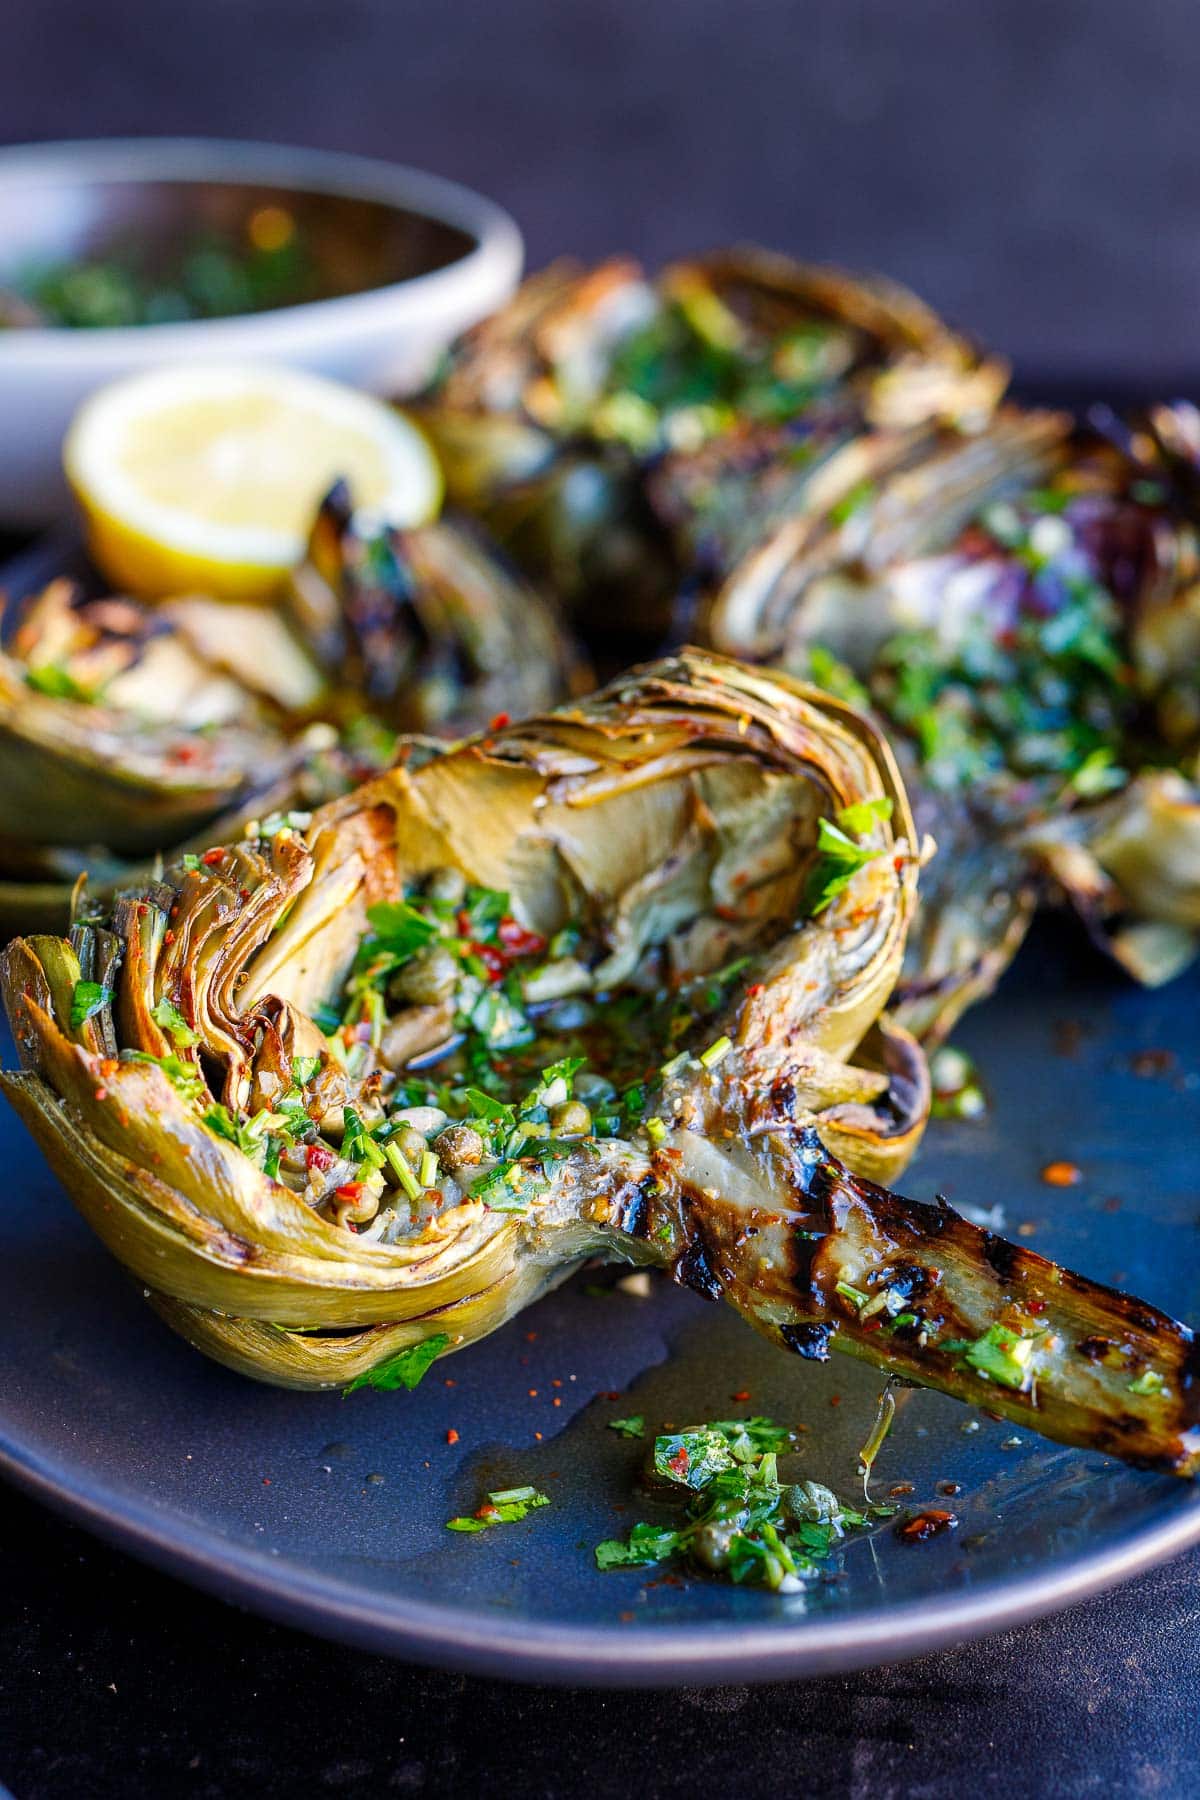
x=208, y=478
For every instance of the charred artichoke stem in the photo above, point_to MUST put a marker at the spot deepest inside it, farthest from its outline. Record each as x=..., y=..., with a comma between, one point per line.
x=918, y=1291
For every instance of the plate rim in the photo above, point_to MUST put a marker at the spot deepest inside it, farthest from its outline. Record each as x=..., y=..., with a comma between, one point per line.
x=594, y=1655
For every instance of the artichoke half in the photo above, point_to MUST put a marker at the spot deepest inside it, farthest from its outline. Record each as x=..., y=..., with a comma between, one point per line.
x=130, y=729
x=644, y=841
x=606, y=982
x=1014, y=607
x=552, y=418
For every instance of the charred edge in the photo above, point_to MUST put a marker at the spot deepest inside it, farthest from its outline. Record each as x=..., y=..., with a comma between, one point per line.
x=783, y=1101
x=1189, y=1381
x=635, y=1214
x=908, y=1281
x=809, y=1341
x=695, y=1271
x=806, y=1247
x=1003, y=1258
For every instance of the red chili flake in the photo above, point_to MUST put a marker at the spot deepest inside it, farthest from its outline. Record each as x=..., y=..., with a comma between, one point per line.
x=538, y=1436
x=1148, y=1063
x=168, y=937
x=450, y=1381
x=184, y=753
x=533, y=1393
x=486, y=1511
x=899, y=1489
x=925, y=1524
x=531, y=1337
x=556, y=1382
x=625, y=1618
x=898, y=864
x=318, y=1156
x=742, y=1394
x=493, y=960
x=266, y=1481
x=678, y=1464
x=463, y=922
x=754, y=990
x=949, y=1488
x=615, y=1394
x=101, y=1094
x=835, y=1399
x=349, y=1190
x=452, y=1436
x=517, y=940
x=109, y=1065
x=728, y=913
x=212, y=857
x=1035, y=1306
x=1062, y=1174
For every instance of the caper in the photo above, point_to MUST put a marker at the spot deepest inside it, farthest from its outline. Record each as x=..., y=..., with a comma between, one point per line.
x=429, y=976
x=571, y=1119
x=448, y=885
x=458, y=1146
x=410, y=1143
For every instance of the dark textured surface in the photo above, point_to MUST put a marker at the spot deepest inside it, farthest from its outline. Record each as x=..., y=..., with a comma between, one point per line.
x=1031, y=168
x=131, y=1687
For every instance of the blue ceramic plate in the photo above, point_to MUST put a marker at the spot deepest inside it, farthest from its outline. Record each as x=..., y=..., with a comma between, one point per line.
x=331, y=1513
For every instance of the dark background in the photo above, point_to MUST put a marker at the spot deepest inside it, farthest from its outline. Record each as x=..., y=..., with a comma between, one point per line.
x=1032, y=168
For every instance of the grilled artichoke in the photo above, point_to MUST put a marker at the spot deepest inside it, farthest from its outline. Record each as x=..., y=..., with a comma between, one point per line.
x=653, y=845
x=605, y=982
x=1014, y=605
x=132, y=729
x=549, y=416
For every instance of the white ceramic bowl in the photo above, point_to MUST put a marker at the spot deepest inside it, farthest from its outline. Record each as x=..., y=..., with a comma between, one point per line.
x=62, y=200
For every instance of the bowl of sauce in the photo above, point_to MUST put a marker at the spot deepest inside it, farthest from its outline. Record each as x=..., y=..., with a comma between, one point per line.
x=119, y=256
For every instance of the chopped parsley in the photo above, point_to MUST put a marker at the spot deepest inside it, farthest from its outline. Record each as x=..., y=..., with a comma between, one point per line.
x=632, y=1427
x=1002, y=1355
x=405, y=1369
x=87, y=999
x=1032, y=681
x=840, y=855
x=505, y=1507
x=741, y=1520
x=168, y=1017
x=56, y=683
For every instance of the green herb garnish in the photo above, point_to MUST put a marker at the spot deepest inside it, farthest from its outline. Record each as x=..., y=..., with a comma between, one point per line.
x=405, y=1369
x=168, y=1017
x=87, y=999
x=503, y=1508
x=838, y=860
x=1003, y=1356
